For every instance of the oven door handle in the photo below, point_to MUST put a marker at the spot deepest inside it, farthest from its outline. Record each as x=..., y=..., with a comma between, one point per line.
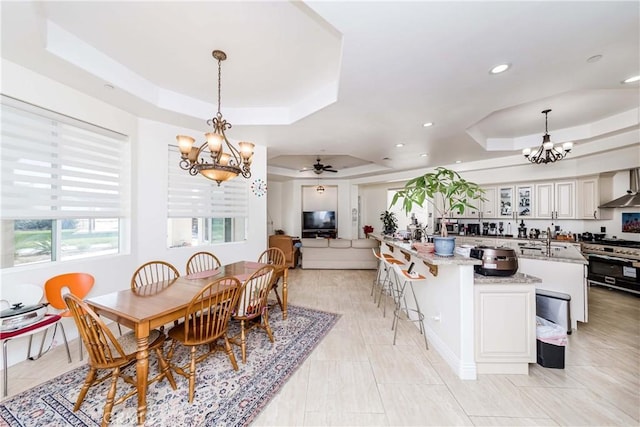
x=625, y=261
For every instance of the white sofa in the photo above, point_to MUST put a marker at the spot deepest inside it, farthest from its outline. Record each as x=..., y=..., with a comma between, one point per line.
x=339, y=253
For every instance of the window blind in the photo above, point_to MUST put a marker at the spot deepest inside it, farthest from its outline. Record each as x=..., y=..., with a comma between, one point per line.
x=57, y=167
x=198, y=197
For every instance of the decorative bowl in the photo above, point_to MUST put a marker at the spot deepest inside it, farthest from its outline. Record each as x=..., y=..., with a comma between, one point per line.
x=423, y=247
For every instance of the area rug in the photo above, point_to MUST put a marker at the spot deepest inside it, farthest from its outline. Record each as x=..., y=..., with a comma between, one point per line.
x=223, y=397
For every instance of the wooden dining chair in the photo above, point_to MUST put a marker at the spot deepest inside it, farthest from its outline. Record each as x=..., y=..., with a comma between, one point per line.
x=252, y=310
x=275, y=257
x=106, y=352
x=202, y=261
x=205, y=322
x=153, y=272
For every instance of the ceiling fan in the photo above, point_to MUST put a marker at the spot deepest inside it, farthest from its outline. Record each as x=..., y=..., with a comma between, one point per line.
x=319, y=168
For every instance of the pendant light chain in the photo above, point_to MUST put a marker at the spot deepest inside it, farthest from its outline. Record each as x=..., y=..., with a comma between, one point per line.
x=219, y=83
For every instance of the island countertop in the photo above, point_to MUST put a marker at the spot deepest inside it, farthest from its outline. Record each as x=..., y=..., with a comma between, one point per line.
x=430, y=258
x=479, y=279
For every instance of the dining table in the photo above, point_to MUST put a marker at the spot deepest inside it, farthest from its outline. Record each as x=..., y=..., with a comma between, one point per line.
x=151, y=306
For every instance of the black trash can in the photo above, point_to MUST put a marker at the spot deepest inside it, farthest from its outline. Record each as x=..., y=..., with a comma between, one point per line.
x=551, y=340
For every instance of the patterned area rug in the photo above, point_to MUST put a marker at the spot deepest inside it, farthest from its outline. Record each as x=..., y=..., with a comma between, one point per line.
x=223, y=397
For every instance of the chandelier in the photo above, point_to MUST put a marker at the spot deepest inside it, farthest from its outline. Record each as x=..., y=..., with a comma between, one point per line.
x=547, y=153
x=221, y=165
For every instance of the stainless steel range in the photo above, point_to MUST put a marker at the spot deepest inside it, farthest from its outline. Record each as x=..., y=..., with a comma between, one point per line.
x=614, y=263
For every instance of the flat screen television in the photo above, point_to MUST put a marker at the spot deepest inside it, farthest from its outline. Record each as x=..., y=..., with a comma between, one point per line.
x=319, y=220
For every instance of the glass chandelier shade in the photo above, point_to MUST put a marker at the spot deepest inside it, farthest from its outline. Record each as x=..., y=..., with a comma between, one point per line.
x=547, y=152
x=225, y=161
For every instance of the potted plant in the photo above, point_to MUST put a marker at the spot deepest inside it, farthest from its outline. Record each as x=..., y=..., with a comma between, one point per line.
x=389, y=222
x=447, y=191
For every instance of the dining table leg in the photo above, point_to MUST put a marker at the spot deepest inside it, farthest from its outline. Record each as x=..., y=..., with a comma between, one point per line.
x=142, y=371
x=285, y=292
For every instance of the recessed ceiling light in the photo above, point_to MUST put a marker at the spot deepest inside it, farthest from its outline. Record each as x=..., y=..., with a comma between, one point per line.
x=594, y=58
x=400, y=145
x=458, y=161
x=423, y=155
x=427, y=124
x=631, y=79
x=499, y=69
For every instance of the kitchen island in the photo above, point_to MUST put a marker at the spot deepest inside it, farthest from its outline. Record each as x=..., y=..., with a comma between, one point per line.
x=563, y=270
x=477, y=324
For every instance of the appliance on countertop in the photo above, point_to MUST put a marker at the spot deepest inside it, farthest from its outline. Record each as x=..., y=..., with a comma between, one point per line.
x=632, y=198
x=522, y=230
x=473, y=229
x=452, y=226
x=493, y=231
x=496, y=261
x=614, y=263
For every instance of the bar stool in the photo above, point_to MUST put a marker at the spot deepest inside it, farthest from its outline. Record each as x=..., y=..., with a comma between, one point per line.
x=379, y=272
x=387, y=285
x=402, y=278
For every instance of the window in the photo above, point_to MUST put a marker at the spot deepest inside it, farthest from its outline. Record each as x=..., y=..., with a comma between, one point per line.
x=64, y=186
x=421, y=213
x=201, y=212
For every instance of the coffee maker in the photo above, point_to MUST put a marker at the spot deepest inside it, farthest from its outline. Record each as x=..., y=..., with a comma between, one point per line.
x=522, y=230
x=485, y=228
x=492, y=229
x=473, y=229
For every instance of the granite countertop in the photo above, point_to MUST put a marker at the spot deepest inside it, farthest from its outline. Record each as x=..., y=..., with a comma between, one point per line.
x=529, y=249
x=432, y=258
x=518, y=278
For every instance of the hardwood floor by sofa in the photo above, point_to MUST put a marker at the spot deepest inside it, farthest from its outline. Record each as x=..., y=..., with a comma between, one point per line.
x=357, y=377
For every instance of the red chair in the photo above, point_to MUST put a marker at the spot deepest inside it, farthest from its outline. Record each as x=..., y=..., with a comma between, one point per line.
x=27, y=295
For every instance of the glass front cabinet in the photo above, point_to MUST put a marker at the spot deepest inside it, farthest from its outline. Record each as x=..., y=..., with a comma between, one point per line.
x=525, y=205
x=505, y=202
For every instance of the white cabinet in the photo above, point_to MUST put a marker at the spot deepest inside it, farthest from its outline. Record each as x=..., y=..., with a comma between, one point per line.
x=482, y=209
x=592, y=192
x=506, y=201
x=524, y=201
x=505, y=327
x=489, y=206
x=555, y=200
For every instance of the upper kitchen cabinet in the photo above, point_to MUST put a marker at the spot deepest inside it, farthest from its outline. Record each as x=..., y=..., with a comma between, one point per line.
x=592, y=192
x=505, y=204
x=555, y=200
x=483, y=209
x=524, y=201
x=488, y=207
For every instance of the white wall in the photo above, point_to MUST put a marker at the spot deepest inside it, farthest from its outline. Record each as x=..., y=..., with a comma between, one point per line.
x=274, y=207
x=347, y=199
x=147, y=227
x=312, y=200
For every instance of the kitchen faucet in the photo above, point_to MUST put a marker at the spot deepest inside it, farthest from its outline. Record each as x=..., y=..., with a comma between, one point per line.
x=548, y=241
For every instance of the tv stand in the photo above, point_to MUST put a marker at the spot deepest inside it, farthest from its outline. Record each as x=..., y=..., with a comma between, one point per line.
x=313, y=233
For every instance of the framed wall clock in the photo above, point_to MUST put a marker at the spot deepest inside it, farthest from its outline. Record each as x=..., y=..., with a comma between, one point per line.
x=259, y=187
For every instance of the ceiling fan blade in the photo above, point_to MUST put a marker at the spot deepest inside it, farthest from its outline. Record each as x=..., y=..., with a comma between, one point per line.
x=331, y=170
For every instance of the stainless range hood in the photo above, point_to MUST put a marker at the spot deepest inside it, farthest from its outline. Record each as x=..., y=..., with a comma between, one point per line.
x=632, y=198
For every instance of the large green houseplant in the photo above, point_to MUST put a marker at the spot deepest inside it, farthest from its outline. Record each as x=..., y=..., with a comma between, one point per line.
x=446, y=191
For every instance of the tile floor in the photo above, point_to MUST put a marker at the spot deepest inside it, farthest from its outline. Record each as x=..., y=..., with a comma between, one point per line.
x=356, y=377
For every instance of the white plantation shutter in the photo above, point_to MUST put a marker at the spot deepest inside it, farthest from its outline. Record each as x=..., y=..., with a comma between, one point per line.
x=57, y=167
x=199, y=197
